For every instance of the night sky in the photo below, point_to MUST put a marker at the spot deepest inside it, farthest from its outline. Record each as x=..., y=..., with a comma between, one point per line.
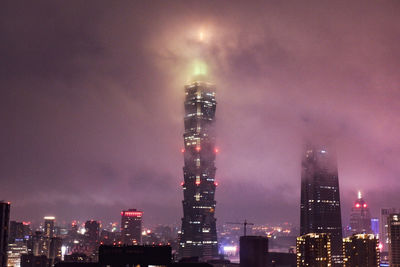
x=91, y=104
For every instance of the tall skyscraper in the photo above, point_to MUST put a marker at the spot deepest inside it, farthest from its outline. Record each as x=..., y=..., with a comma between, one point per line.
x=49, y=226
x=4, y=222
x=360, y=217
x=314, y=250
x=361, y=250
x=199, y=234
x=320, y=198
x=394, y=240
x=131, y=227
x=384, y=227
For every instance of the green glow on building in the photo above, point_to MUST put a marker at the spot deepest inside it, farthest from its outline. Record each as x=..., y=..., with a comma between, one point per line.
x=199, y=68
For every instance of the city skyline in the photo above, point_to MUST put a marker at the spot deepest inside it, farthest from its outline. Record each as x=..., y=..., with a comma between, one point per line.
x=92, y=103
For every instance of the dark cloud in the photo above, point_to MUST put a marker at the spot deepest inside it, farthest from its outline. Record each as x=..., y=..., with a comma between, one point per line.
x=92, y=103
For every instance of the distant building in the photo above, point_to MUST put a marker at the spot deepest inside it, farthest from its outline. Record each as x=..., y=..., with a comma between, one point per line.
x=314, y=250
x=15, y=250
x=131, y=227
x=55, y=250
x=394, y=240
x=4, y=222
x=384, y=227
x=375, y=226
x=361, y=250
x=17, y=231
x=49, y=226
x=320, y=198
x=92, y=233
x=360, y=218
x=30, y=260
x=39, y=244
x=253, y=251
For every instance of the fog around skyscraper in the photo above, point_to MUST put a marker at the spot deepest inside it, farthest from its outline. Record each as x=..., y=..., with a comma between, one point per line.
x=91, y=104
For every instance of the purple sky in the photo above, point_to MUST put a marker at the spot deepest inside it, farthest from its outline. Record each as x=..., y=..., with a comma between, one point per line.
x=92, y=104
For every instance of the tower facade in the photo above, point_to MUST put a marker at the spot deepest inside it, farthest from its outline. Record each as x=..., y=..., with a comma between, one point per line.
x=320, y=198
x=49, y=226
x=394, y=240
x=360, y=217
x=131, y=227
x=314, y=250
x=384, y=227
x=4, y=222
x=198, y=233
x=361, y=250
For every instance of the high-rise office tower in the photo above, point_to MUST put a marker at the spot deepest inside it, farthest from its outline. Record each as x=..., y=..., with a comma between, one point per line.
x=384, y=228
x=4, y=222
x=361, y=250
x=131, y=227
x=320, y=198
x=92, y=232
x=394, y=240
x=360, y=217
x=49, y=226
x=314, y=250
x=199, y=234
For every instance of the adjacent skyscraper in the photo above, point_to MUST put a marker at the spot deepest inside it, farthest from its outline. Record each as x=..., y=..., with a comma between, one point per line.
x=361, y=250
x=4, y=222
x=320, y=198
x=314, y=250
x=394, y=240
x=199, y=234
x=360, y=217
x=384, y=227
x=131, y=227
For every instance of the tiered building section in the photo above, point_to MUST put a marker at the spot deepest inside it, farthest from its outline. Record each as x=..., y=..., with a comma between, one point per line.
x=199, y=235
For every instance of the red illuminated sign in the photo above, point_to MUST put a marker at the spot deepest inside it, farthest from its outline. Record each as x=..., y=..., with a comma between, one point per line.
x=132, y=213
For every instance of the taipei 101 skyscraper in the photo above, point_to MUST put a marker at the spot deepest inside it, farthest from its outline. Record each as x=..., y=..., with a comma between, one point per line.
x=198, y=234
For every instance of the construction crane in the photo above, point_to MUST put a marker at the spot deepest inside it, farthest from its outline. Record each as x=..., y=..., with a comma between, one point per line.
x=245, y=223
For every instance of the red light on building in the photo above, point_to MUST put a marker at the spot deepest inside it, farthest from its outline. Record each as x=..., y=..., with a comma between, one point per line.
x=182, y=183
x=26, y=223
x=365, y=205
x=216, y=183
x=358, y=205
x=183, y=150
x=132, y=213
x=197, y=182
x=198, y=148
x=216, y=150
